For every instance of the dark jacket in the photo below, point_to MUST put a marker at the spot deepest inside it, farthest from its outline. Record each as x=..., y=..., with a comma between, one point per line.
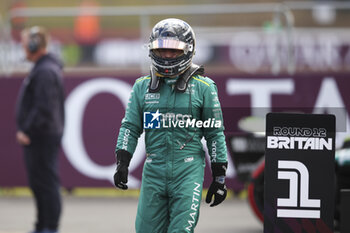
x=40, y=104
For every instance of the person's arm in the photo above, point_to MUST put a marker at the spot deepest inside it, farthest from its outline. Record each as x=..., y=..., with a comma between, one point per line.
x=43, y=84
x=215, y=135
x=216, y=145
x=130, y=131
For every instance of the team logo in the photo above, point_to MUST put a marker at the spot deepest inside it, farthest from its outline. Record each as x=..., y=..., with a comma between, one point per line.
x=152, y=120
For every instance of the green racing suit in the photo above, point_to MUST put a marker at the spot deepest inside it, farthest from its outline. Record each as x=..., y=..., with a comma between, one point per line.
x=173, y=172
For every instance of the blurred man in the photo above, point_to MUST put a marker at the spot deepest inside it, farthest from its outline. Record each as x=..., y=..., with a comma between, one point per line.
x=171, y=105
x=40, y=120
x=87, y=30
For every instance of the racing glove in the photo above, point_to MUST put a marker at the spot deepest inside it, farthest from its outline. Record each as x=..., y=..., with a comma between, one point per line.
x=121, y=173
x=217, y=187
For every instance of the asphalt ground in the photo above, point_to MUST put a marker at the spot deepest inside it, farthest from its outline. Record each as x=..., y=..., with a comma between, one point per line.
x=117, y=215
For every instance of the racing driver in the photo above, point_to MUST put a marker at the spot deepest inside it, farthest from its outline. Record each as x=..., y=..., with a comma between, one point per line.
x=176, y=107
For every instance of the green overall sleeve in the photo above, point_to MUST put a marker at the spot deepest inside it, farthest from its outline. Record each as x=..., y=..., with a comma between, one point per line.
x=214, y=135
x=131, y=126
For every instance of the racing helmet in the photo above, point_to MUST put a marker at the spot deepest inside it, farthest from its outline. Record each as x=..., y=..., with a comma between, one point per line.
x=171, y=34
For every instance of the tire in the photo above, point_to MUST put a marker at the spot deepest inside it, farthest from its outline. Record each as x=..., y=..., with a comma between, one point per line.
x=256, y=192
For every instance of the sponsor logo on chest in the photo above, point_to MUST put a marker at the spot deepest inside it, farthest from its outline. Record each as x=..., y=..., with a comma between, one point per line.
x=152, y=96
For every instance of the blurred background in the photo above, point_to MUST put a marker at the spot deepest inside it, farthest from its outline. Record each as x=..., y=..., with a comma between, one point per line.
x=251, y=36
x=264, y=55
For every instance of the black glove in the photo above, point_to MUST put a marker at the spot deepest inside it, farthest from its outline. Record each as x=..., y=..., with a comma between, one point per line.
x=217, y=187
x=121, y=173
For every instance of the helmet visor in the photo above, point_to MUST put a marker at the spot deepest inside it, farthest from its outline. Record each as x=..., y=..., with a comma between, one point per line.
x=169, y=43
